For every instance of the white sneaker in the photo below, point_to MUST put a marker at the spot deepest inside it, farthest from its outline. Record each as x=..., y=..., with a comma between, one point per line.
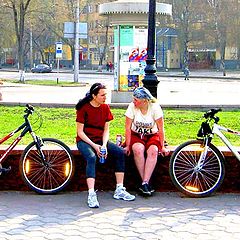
x=121, y=193
x=92, y=200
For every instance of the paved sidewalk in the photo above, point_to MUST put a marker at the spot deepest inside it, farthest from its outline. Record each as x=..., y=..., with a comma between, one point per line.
x=164, y=216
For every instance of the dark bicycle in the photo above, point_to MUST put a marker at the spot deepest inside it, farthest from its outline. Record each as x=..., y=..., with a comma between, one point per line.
x=46, y=165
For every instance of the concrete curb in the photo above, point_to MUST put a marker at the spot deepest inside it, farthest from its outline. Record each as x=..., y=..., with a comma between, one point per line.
x=124, y=105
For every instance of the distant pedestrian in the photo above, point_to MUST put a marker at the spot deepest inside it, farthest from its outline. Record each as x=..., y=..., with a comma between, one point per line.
x=108, y=66
x=93, y=118
x=186, y=73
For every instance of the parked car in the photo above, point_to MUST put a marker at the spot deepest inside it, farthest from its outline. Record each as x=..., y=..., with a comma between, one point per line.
x=41, y=68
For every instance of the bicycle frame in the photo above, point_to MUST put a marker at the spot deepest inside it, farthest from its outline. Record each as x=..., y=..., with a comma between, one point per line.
x=26, y=127
x=217, y=130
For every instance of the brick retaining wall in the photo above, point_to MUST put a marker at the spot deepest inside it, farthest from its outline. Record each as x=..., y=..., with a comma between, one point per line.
x=105, y=179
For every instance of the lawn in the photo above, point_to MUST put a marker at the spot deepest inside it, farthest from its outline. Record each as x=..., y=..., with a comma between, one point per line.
x=180, y=125
x=46, y=82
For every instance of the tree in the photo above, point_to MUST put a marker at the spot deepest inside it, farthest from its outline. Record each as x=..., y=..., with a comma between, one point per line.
x=233, y=30
x=182, y=17
x=102, y=54
x=58, y=12
x=19, y=11
x=220, y=28
x=238, y=32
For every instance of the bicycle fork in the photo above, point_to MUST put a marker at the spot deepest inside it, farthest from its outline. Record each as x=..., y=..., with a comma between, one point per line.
x=194, y=187
x=39, y=143
x=203, y=155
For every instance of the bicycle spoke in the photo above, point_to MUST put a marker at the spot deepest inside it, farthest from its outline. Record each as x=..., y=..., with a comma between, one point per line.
x=49, y=175
x=195, y=178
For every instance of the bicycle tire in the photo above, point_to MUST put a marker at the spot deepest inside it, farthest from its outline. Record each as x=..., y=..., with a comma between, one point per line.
x=189, y=180
x=50, y=178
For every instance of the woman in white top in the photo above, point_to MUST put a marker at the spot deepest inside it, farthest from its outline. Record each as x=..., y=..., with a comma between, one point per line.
x=144, y=135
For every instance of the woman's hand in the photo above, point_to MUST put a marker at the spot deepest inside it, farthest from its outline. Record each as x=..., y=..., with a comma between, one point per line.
x=127, y=150
x=97, y=147
x=165, y=151
x=104, y=146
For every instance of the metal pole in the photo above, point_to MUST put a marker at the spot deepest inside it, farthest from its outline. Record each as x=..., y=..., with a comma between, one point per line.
x=76, y=52
x=163, y=54
x=150, y=80
x=57, y=70
x=31, y=48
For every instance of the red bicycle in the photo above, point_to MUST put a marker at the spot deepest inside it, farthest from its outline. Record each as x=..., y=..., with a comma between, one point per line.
x=46, y=164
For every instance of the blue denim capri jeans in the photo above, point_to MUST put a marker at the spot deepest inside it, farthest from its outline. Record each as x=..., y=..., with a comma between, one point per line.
x=115, y=153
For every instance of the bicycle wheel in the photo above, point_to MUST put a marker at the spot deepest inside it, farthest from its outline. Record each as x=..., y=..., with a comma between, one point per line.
x=52, y=175
x=191, y=178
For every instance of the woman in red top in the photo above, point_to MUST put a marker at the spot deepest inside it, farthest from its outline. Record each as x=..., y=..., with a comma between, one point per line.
x=93, y=117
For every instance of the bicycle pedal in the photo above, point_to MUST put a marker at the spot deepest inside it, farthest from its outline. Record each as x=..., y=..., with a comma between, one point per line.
x=5, y=170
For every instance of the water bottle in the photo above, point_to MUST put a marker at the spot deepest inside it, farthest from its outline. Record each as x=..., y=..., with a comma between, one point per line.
x=103, y=152
x=119, y=140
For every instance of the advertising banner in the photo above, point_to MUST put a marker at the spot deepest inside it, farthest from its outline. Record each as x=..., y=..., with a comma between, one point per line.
x=130, y=44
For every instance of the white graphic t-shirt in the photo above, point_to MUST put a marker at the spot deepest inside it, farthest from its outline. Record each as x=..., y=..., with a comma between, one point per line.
x=144, y=123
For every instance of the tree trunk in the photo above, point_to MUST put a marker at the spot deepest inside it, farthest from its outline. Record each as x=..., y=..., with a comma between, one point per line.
x=19, y=19
x=105, y=45
x=222, y=52
x=186, y=32
x=21, y=37
x=73, y=54
x=42, y=56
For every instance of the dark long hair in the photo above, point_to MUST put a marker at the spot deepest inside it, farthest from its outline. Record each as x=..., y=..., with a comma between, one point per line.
x=94, y=90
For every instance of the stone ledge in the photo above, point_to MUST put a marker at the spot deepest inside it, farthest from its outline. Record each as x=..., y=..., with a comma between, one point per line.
x=19, y=148
x=105, y=179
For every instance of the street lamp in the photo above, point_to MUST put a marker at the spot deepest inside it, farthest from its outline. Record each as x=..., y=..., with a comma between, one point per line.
x=150, y=80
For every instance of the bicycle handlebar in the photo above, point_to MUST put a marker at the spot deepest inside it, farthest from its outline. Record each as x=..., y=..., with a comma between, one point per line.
x=211, y=113
x=205, y=128
x=29, y=110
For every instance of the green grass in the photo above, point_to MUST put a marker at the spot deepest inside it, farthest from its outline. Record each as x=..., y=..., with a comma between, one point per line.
x=180, y=125
x=49, y=82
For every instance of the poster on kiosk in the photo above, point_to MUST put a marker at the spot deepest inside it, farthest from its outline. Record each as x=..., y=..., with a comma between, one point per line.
x=131, y=43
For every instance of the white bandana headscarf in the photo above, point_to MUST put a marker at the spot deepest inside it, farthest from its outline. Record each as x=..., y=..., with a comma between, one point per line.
x=142, y=93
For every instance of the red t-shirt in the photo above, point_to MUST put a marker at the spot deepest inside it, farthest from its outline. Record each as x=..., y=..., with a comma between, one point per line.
x=94, y=119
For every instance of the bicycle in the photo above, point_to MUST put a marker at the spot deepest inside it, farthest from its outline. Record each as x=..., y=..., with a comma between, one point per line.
x=46, y=164
x=197, y=166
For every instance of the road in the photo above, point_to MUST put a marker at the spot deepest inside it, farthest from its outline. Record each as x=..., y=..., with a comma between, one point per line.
x=49, y=94
x=62, y=76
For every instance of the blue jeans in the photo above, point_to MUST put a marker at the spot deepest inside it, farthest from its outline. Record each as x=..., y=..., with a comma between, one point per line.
x=115, y=153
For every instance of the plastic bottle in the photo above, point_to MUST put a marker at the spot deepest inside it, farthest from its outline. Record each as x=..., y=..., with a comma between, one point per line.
x=103, y=151
x=119, y=140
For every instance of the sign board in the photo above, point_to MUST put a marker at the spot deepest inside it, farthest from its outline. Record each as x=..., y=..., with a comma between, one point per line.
x=130, y=49
x=59, y=50
x=69, y=30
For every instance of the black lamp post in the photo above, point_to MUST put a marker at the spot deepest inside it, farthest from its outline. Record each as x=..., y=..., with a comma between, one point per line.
x=150, y=80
